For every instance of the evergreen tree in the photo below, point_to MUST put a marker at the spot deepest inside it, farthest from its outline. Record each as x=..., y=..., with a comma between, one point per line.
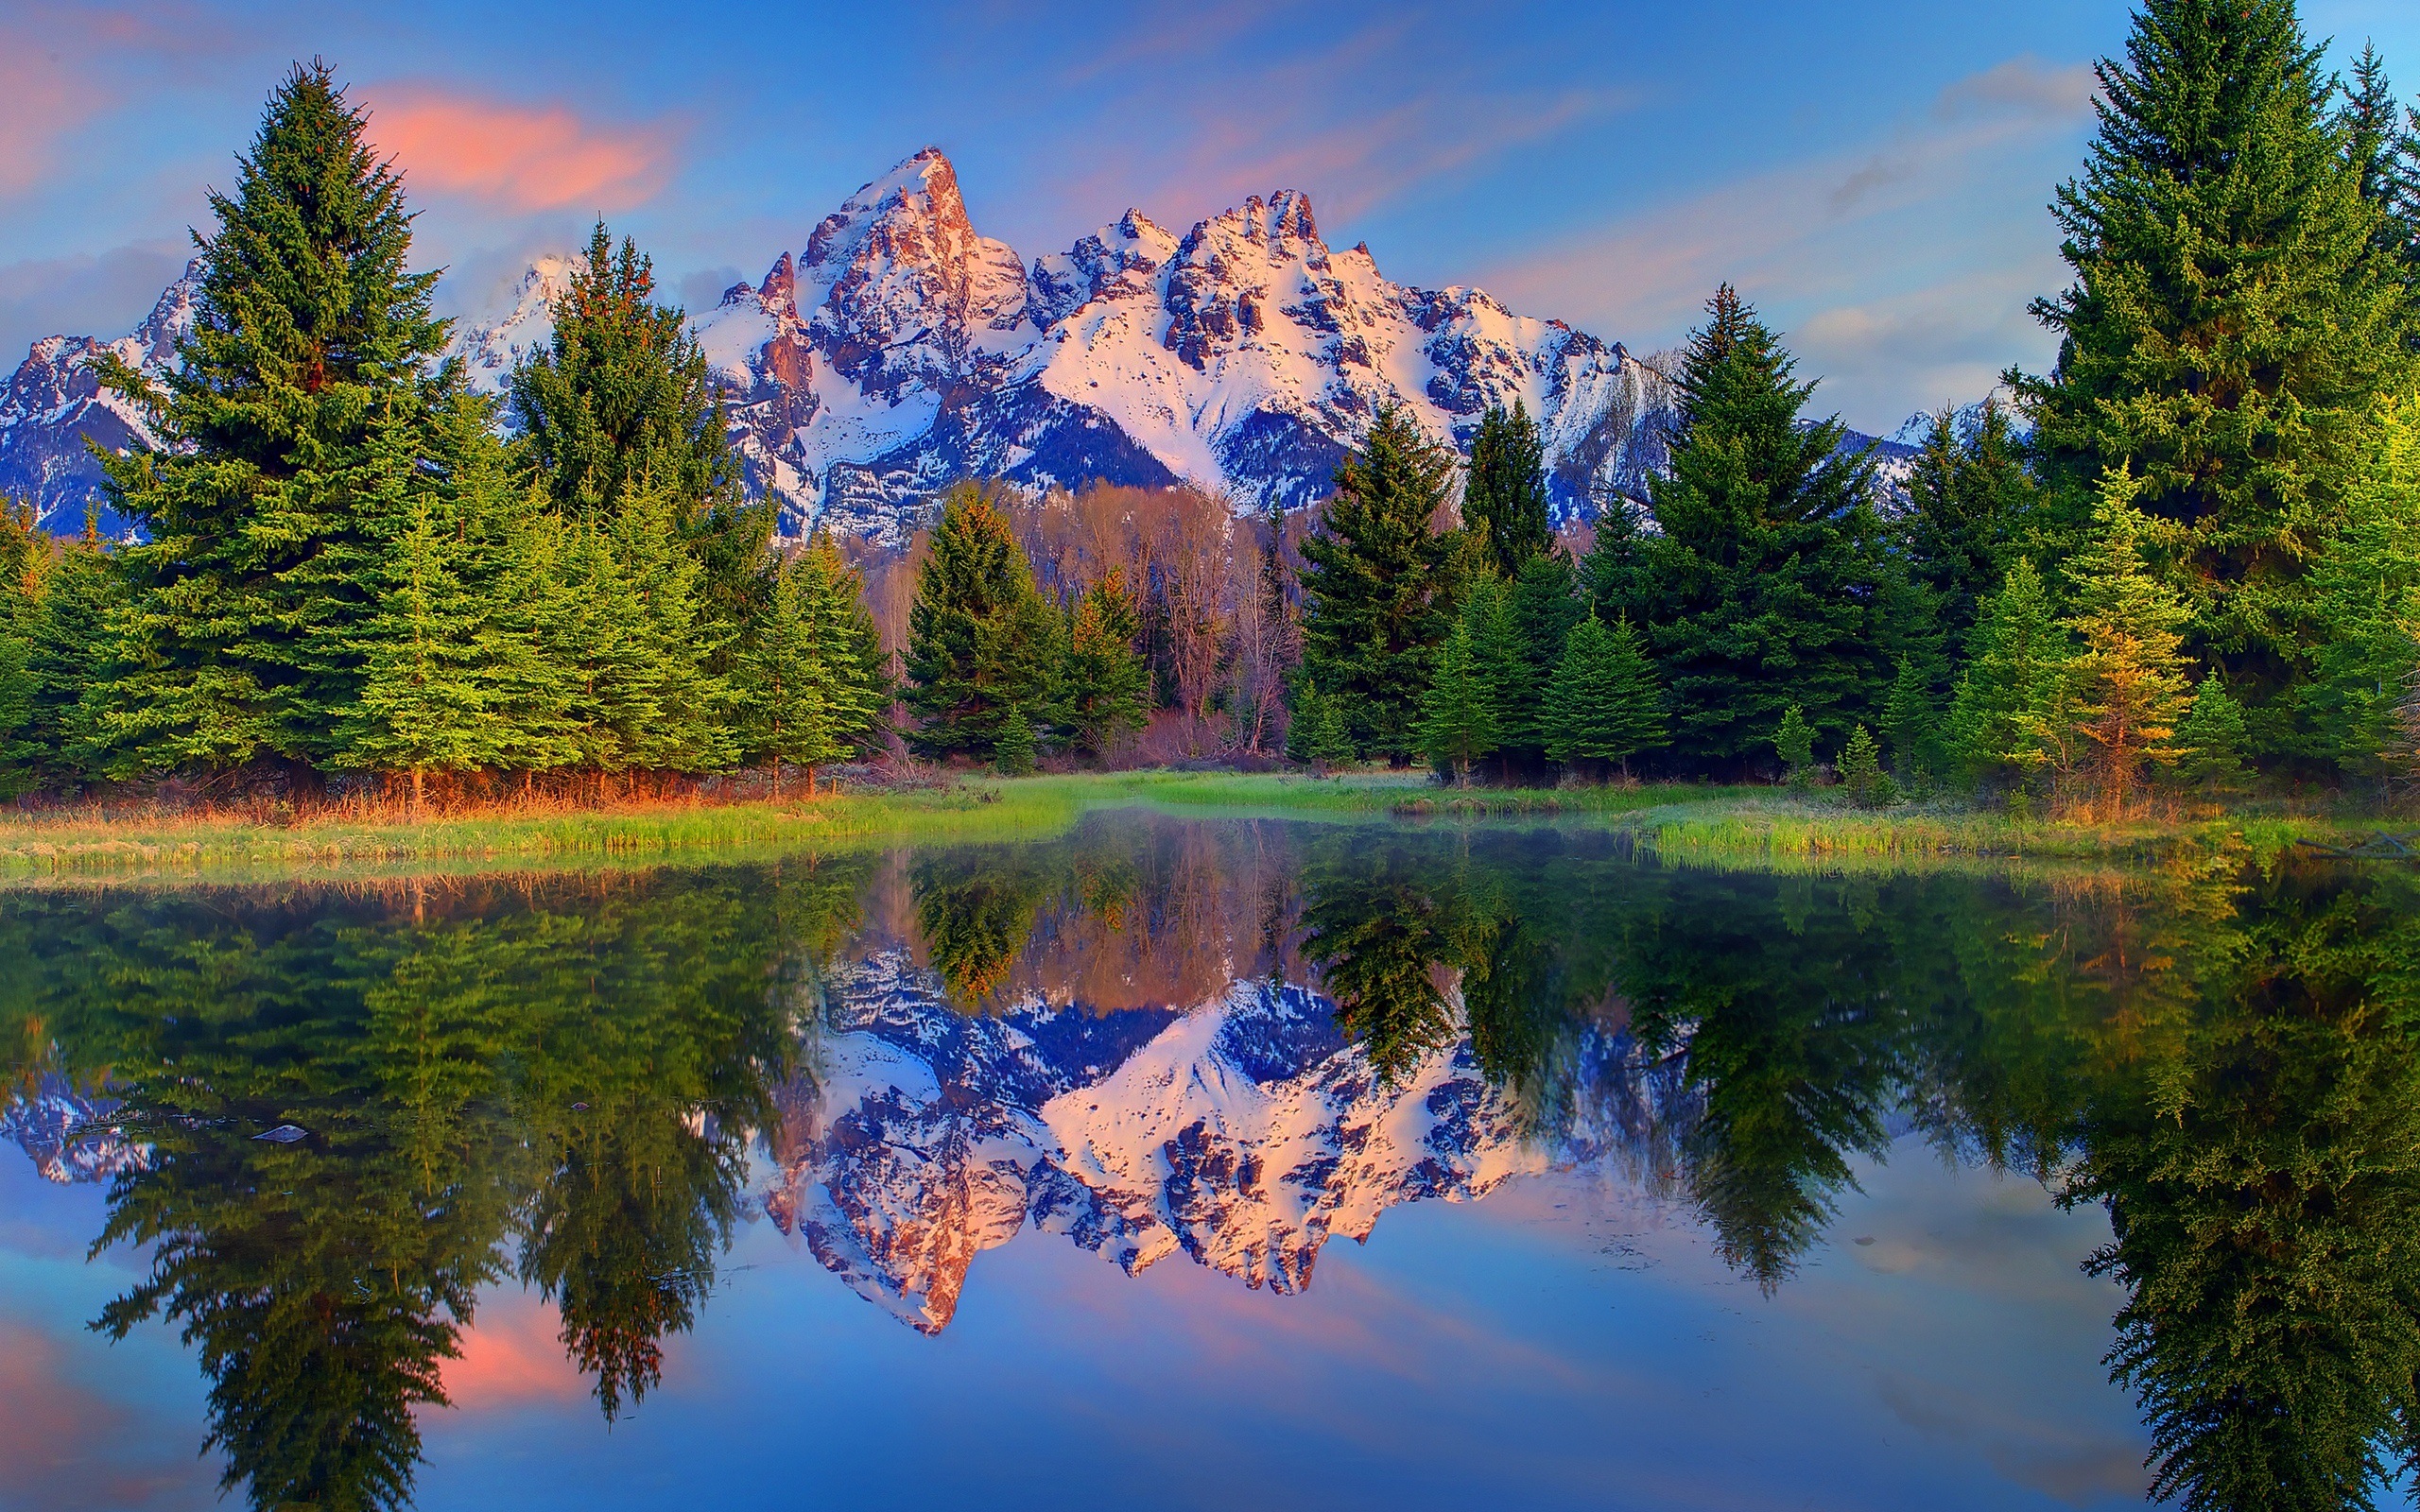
x=2377, y=132
x=2008, y=717
x=1764, y=586
x=1376, y=602
x=1604, y=705
x=1972, y=507
x=1543, y=607
x=1504, y=498
x=2209, y=742
x=2128, y=678
x=1104, y=682
x=2368, y=584
x=1911, y=722
x=786, y=684
x=73, y=660
x=1861, y=774
x=2231, y=322
x=620, y=393
x=1458, y=712
x=300, y=392
x=855, y=669
x=1794, y=743
x=1316, y=731
x=980, y=638
x=1014, y=752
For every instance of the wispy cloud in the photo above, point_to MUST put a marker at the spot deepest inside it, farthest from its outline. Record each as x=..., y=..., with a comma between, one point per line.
x=519, y=157
x=1824, y=237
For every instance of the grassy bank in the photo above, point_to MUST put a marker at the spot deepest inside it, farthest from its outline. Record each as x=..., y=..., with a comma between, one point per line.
x=1755, y=825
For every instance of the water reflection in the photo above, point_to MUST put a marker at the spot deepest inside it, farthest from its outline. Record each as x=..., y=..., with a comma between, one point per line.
x=1235, y=1041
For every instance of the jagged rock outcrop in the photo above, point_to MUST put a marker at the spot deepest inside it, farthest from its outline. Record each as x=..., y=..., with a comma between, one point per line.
x=1244, y=1132
x=54, y=402
x=899, y=350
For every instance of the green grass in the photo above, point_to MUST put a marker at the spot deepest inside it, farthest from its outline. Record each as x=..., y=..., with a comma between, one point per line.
x=1755, y=826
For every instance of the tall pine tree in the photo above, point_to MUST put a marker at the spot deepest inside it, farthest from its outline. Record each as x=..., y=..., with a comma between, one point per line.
x=2231, y=323
x=1765, y=584
x=2128, y=678
x=981, y=640
x=301, y=391
x=1105, y=686
x=1504, y=495
x=1604, y=704
x=1377, y=602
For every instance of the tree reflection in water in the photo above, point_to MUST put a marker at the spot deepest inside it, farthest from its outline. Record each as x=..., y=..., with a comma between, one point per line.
x=559, y=1081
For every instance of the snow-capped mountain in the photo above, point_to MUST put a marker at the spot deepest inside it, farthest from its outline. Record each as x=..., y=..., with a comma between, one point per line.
x=54, y=402
x=1245, y=1133
x=66, y=1135
x=899, y=350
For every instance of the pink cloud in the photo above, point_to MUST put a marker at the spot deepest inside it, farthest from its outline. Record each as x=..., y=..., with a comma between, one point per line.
x=525, y=157
x=40, y=103
x=514, y=1354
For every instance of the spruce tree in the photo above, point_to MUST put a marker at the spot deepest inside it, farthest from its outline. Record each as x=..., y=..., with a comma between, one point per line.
x=2367, y=586
x=1104, y=682
x=1860, y=768
x=2377, y=131
x=299, y=391
x=2008, y=718
x=2231, y=322
x=1794, y=743
x=1604, y=705
x=1972, y=507
x=2128, y=681
x=1766, y=582
x=73, y=660
x=980, y=639
x=1315, y=733
x=785, y=684
x=1544, y=606
x=1911, y=723
x=1375, y=598
x=1504, y=496
x=2209, y=742
x=1013, y=751
x=857, y=671
x=619, y=393
x=1458, y=712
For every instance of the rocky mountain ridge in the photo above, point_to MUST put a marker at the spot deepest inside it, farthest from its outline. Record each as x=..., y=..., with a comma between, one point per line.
x=899, y=350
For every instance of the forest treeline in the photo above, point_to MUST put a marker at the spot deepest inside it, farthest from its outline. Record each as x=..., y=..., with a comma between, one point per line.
x=2186, y=557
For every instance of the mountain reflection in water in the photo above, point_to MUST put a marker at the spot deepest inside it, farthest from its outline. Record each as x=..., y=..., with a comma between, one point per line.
x=1233, y=1040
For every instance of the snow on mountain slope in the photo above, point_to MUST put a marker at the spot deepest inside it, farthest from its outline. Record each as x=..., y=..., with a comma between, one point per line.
x=65, y=1134
x=899, y=350
x=1244, y=1132
x=54, y=402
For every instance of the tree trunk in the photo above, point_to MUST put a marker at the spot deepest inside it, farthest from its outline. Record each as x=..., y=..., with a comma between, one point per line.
x=419, y=790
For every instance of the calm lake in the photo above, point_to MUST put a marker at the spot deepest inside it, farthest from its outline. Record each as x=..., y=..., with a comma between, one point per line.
x=1209, y=1163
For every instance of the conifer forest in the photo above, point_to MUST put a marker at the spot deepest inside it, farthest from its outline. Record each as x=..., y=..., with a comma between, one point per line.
x=2184, y=561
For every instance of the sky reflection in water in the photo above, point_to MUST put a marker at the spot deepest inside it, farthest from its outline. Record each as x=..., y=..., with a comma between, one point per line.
x=1721, y=1221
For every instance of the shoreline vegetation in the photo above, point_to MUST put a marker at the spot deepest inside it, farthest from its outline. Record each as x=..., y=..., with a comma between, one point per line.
x=1753, y=825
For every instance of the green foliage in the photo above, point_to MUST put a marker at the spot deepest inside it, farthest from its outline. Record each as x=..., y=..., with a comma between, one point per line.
x=809, y=682
x=1376, y=598
x=1911, y=723
x=289, y=430
x=1315, y=732
x=1544, y=607
x=1105, y=688
x=1604, y=704
x=1504, y=498
x=1373, y=927
x=2209, y=742
x=620, y=400
x=1765, y=584
x=2128, y=687
x=1861, y=771
x=1458, y=712
x=2367, y=586
x=2008, y=716
x=1794, y=743
x=1972, y=508
x=2231, y=324
x=1013, y=751
x=981, y=640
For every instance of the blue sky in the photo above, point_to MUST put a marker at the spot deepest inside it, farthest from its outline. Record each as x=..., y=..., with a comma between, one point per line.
x=1872, y=176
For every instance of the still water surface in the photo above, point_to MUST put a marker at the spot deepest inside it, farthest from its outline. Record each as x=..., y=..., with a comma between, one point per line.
x=1209, y=1163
